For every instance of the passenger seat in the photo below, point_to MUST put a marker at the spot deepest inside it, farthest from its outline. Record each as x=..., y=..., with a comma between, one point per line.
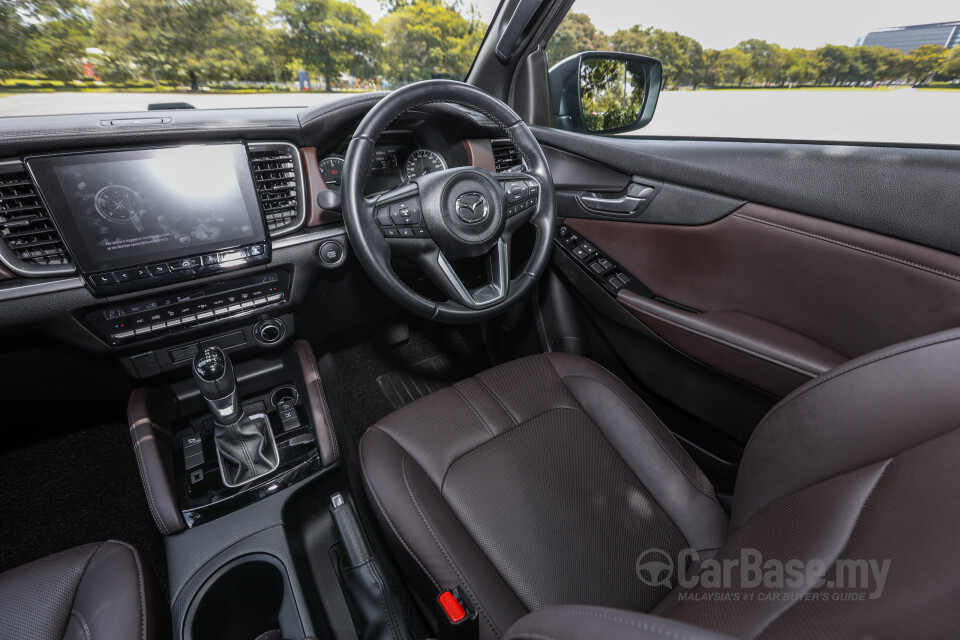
x=100, y=591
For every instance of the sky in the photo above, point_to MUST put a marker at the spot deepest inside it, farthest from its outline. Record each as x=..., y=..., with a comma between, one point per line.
x=719, y=24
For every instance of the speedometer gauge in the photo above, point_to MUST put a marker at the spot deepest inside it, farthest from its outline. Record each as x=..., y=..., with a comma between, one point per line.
x=331, y=168
x=423, y=161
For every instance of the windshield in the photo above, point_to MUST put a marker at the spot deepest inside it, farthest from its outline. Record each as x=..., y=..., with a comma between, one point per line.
x=73, y=56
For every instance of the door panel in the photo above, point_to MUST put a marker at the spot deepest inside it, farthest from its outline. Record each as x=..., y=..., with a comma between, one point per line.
x=847, y=254
x=851, y=291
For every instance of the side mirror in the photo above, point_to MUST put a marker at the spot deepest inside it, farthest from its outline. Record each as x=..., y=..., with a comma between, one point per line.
x=604, y=92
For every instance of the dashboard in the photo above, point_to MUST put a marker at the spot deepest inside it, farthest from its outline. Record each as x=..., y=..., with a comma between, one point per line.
x=144, y=238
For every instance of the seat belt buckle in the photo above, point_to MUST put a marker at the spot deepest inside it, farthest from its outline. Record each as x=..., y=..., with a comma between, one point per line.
x=456, y=617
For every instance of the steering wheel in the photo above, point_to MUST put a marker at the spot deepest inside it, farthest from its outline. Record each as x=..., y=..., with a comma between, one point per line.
x=455, y=214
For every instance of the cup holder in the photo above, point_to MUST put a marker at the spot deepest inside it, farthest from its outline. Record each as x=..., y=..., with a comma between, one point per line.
x=244, y=599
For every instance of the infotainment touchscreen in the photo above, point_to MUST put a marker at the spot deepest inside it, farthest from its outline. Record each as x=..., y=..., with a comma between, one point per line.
x=122, y=208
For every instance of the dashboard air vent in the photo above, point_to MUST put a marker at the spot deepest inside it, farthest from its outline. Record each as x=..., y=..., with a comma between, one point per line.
x=506, y=155
x=32, y=244
x=279, y=182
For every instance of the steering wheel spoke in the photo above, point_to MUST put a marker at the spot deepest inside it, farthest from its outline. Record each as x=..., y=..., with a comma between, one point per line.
x=496, y=265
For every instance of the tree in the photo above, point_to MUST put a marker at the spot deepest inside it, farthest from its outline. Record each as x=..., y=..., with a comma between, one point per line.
x=575, y=34
x=47, y=36
x=682, y=56
x=801, y=67
x=924, y=62
x=428, y=40
x=330, y=37
x=766, y=60
x=951, y=66
x=183, y=41
x=736, y=66
x=837, y=64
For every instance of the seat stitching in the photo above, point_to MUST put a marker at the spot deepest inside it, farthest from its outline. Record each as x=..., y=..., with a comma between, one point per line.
x=474, y=448
x=872, y=252
x=644, y=423
x=476, y=412
x=134, y=429
x=324, y=409
x=83, y=622
x=645, y=626
x=403, y=468
x=863, y=505
x=514, y=417
x=376, y=498
x=733, y=345
x=143, y=598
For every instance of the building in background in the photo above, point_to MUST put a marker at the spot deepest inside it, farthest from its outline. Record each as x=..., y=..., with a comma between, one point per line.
x=945, y=34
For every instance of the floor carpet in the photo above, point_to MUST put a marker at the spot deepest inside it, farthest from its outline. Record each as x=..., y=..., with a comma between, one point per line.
x=76, y=488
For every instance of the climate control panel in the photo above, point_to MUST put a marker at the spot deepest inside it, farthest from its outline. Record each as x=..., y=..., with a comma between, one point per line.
x=130, y=322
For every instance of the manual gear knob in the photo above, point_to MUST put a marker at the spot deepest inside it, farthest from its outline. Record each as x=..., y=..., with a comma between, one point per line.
x=213, y=373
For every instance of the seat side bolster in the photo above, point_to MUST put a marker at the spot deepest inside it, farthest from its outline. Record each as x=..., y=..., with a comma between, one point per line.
x=427, y=536
x=867, y=410
x=652, y=453
x=590, y=623
x=117, y=598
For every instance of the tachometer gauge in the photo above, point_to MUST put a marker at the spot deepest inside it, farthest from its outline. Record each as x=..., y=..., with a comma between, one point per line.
x=423, y=161
x=331, y=168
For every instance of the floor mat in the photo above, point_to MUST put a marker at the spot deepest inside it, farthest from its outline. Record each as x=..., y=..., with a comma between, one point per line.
x=356, y=379
x=78, y=488
x=420, y=379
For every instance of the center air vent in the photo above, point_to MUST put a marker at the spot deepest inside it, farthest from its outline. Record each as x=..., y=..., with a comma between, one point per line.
x=279, y=181
x=31, y=244
x=506, y=155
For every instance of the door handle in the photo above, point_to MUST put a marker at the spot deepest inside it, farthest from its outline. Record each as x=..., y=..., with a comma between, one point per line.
x=635, y=195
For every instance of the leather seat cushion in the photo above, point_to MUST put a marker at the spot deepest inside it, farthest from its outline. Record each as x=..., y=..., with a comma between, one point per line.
x=101, y=591
x=536, y=483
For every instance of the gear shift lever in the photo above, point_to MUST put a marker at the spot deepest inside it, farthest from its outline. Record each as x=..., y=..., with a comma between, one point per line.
x=245, y=445
x=213, y=372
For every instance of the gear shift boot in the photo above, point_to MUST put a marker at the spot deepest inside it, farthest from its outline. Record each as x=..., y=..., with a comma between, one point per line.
x=246, y=449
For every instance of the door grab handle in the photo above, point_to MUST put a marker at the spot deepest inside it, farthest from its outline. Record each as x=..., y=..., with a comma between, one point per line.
x=627, y=203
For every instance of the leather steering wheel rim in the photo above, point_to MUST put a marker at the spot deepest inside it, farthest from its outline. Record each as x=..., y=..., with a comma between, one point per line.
x=442, y=234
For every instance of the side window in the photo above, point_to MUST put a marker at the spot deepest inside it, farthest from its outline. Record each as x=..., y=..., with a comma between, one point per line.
x=743, y=69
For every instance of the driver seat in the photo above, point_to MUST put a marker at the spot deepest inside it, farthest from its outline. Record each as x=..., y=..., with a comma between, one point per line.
x=546, y=483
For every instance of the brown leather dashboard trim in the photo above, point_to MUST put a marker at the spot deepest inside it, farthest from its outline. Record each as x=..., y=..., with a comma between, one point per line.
x=6, y=274
x=317, y=403
x=156, y=484
x=316, y=215
x=769, y=357
x=849, y=290
x=480, y=154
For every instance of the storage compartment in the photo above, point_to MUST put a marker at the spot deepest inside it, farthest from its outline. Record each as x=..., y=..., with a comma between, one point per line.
x=243, y=600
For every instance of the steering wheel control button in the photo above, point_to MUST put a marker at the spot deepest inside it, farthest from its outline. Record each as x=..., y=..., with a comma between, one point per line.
x=516, y=191
x=406, y=212
x=383, y=217
x=331, y=253
x=406, y=232
x=391, y=232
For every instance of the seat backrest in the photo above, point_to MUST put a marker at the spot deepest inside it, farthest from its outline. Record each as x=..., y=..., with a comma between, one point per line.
x=850, y=481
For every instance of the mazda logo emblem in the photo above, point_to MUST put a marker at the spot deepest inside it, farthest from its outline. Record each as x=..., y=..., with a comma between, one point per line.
x=472, y=207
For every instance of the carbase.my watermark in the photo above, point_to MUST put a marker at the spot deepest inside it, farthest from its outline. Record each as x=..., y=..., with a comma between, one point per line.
x=851, y=579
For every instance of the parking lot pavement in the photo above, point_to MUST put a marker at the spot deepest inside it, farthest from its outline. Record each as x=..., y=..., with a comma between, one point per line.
x=900, y=115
